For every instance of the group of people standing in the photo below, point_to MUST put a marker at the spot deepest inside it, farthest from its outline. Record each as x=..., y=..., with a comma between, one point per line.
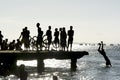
x=60, y=39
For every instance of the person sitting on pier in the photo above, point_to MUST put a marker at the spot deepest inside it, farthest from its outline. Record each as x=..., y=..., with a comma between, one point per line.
x=12, y=45
x=49, y=36
x=1, y=39
x=103, y=53
x=18, y=45
x=39, y=37
x=4, y=45
x=22, y=73
x=70, y=37
x=56, y=39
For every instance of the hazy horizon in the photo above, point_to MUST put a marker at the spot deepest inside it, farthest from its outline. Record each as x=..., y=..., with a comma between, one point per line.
x=92, y=20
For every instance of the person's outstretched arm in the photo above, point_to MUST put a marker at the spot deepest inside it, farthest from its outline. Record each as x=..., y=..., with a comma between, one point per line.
x=102, y=45
x=99, y=47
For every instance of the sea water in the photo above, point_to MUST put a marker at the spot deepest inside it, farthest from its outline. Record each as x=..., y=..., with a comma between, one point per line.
x=89, y=67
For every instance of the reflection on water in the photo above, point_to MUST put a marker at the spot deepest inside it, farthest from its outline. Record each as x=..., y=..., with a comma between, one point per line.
x=48, y=63
x=91, y=67
x=32, y=63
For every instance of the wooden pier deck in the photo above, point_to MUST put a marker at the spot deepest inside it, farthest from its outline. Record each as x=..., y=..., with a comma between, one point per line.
x=10, y=57
x=31, y=55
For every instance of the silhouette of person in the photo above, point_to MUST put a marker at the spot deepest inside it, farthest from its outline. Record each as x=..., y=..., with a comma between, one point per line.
x=70, y=37
x=103, y=53
x=63, y=38
x=60, y=42
x=49, y=36
x=27, y=41
x=12, y=45
x=1, y=39
x=39, y=37
x=56, y=39
x=23, y=37
x=4, y=45
x=22, y=73
x=25, y=34
x=18, y=45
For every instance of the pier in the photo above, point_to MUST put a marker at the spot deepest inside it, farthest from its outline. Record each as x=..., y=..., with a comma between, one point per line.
x=8, y=59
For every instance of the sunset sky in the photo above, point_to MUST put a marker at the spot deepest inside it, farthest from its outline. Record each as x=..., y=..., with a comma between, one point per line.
x=93, y=20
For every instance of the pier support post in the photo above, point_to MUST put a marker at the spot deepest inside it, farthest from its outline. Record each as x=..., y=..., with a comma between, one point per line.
x=40, y=65
x=73, y=64
x=14, y=66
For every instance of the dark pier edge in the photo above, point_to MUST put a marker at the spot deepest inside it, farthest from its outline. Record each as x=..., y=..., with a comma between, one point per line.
x=8, y=59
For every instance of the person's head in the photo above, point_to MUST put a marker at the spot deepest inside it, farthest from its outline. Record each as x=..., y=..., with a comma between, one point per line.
x=22, y=67
x=101, y=42
x=56, y=29
x=55, y=77
x=18, y=40
x=38, y=24
x=60, y=29
x=71, y=27
x=63, y=28
x=25, y=28
x=13, y=41
x=49, y=27
x=6, y=40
